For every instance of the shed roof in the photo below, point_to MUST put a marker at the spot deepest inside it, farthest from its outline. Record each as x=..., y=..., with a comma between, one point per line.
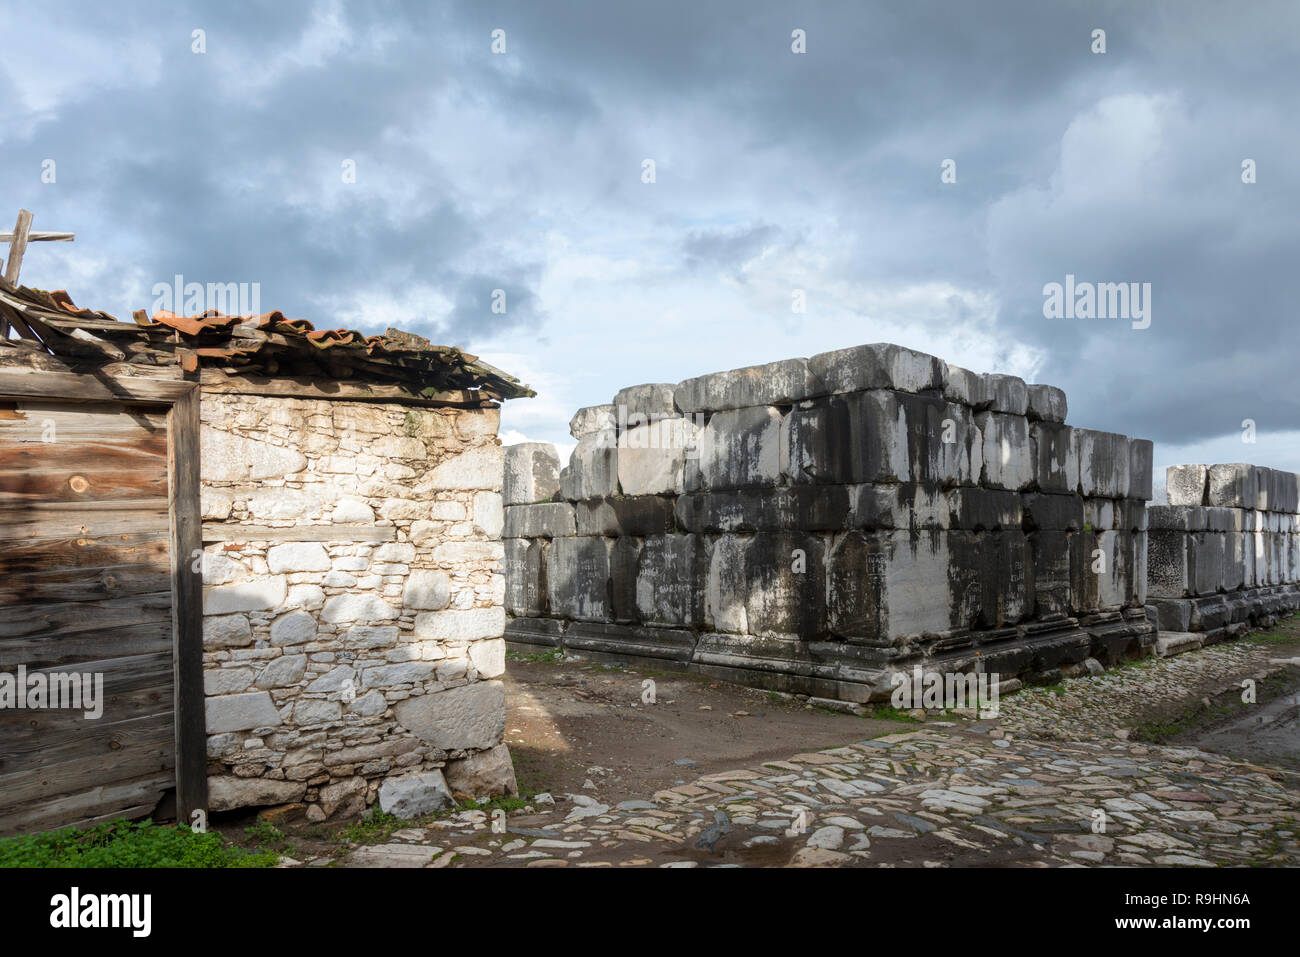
x=268, y=345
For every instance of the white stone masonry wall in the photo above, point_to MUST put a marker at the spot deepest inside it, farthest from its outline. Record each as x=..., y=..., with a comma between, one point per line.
x=360, y=663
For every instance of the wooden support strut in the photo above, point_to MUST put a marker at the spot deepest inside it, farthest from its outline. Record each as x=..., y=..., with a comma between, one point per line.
x=18, y=240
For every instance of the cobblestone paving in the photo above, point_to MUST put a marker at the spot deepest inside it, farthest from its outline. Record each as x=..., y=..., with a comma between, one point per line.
x=932, y=797
x=1048, y=783
x=1097, y=706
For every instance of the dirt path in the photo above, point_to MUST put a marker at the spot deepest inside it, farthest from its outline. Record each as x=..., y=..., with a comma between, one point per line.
x=571, y=722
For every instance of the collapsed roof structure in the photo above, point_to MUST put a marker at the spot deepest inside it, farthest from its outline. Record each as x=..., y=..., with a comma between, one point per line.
x=269, y=351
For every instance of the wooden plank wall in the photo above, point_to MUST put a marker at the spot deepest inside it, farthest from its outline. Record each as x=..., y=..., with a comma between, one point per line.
x=86, y=585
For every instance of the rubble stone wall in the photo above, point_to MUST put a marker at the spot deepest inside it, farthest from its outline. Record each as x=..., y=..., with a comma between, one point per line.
x=1224, y=554
x=352, y=604
x=814, y=525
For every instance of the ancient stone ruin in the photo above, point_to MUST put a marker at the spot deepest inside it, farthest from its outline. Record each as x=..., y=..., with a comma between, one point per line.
x=817, y=525
x=1224, y=554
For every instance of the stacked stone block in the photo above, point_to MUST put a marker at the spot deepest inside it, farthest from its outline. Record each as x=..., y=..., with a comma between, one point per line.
x=813, y=525
x=1224, y=553
x=353, y=604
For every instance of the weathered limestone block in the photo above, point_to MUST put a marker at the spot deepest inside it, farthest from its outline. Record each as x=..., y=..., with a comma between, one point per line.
x=525, y=572
x=1186, y=484
x=279, y=504
x=488, y=656
x=880, y=365
x=219, y=569
x=737, y=449
x=550, y=520
x=1140, y=453
x=240, y=712
x=1008, y=461
x=639, y=515
x=987, y=578
x=943, y=445
x=652, y=457
x=855, y=589
x=488, y=516
x=346, y=798
x=1234, y=485
x=395, y=676
x=1056, y=457
x=917, y=587
x=257, y=595
x=224, y=681
x=486, y=774
x=968, y=388
x=637, y=403
x=591, y=419
x=226, y=631
x=624, y=561
x=577, y=578
x=668, y=591
x=233, y=458
x=469, y=624
x=427, y=589
x=776, y=383
x=727, y=588
x=1208, y=556
x=414, y=795
x=1050, y=553
x=785, y=576
x=1103, y=463
x=469, y=717
x=532, y=473
x=593, y=468
x=227, y=793
x=352, y=511
x=1054, y=512
x=848, y=439
x=1047, y=403
x=1174, y=614
x=908, y=506
x=357, y=607
x=1008, y=393
x=806, y=507
x=298, y=557
x=282, y=672
x=481, y=467
x=975, y=509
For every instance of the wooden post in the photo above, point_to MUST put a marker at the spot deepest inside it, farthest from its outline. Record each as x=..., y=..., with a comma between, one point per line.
x=18, y=246
x=187, y=606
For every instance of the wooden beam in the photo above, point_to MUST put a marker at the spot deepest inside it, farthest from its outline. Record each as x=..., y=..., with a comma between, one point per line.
x=303, y=387
x=40, y=237
x=84, y=387
x=17, y=246
x=217, y=532
x=187, y=605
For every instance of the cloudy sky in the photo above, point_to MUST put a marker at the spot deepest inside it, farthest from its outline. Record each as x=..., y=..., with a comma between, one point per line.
x=775, y=171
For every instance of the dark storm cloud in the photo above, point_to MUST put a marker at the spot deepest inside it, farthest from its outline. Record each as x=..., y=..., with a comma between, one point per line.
x=1116, y=167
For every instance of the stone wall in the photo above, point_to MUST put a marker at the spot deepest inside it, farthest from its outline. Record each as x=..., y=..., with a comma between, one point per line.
x=1224, y=554
x=815, y=525
x=352, y=604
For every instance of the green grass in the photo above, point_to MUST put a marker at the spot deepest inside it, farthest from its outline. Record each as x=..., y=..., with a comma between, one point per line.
x=266, y=836
x=121, y=843
x=374, y=827
x=547, y=657
x=887, y=712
